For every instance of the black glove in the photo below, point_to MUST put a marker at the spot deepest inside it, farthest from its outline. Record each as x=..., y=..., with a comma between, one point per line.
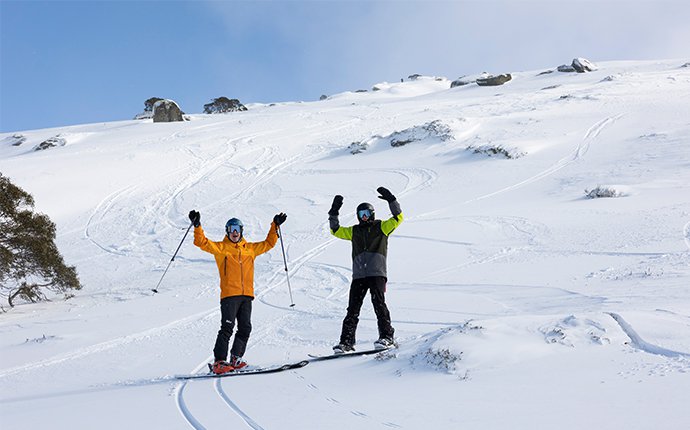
x=385, y=194
x=337, y=204
x=279, y=218
x=195, y=218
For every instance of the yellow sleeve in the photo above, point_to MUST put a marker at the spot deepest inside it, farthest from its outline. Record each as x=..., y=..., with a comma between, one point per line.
x=343, y=233
x=202, y=242
x=270, y=241
x=391, y=224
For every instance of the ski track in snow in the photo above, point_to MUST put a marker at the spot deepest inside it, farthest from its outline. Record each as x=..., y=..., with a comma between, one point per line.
x=184, y=410
x=217, y=383
x=582, y=148
x=114, y=343
x=638, y=343
x=247, y=419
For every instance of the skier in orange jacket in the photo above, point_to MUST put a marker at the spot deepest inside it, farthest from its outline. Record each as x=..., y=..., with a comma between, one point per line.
x=235, y=260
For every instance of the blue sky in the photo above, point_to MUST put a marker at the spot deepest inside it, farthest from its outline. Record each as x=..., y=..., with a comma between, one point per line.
x=76, y=62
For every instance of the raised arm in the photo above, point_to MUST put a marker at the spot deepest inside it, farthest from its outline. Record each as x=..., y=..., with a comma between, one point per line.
x=392, y=223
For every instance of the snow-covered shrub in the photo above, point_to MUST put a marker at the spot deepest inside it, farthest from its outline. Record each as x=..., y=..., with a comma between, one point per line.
x=148, y=108
x=491, y=150
x=604, y=191
x=357, y=147
x=572, y=331
x=224, y=105
x=435, y=129
x=439, y=359
x=14, y=140
x=438, y=131
x=51, y=143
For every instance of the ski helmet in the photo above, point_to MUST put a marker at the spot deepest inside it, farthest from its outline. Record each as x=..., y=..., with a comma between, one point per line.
x=362, y=210
x=232, y=224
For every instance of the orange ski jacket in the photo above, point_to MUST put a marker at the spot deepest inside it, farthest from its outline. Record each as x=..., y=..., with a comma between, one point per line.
x=235, y=261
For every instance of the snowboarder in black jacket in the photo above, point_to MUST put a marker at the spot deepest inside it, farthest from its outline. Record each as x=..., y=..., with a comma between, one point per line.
x=369, y=250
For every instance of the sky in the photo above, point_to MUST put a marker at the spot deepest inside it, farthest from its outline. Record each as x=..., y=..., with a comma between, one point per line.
x=76, y=62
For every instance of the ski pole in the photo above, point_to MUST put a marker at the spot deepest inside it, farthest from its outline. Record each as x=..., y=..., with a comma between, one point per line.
x=155, y=290
x=280, y=235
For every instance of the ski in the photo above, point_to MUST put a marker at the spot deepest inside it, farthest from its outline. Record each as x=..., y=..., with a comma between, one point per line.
x=313, y=357
x=245, y=371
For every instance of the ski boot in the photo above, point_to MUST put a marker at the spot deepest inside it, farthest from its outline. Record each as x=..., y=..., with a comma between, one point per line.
x=237, y=362
x=221, y=366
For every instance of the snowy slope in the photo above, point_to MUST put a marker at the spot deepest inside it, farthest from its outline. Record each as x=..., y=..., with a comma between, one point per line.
x=518, y=302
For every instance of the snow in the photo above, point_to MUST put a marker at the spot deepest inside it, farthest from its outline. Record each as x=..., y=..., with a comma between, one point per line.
x=517, y=302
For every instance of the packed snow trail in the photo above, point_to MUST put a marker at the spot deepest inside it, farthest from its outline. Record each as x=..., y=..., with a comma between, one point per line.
x=638, y=343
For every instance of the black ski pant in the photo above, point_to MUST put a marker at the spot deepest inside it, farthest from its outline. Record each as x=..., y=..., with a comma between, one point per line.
x=358, y=290
x=233, y=308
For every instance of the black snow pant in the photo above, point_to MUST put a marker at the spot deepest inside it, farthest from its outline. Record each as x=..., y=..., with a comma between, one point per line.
x=233, y=308
x=358, y=290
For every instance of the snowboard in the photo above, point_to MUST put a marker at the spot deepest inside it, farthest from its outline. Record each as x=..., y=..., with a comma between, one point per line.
x=313, y=357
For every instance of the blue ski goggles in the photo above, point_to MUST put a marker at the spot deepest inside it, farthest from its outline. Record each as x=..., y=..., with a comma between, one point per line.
x=364, y=213
x=232, y=228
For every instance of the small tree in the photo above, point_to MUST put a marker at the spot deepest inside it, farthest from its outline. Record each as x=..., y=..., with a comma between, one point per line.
x=224, y=104
x=148, y=104
x=30, y=263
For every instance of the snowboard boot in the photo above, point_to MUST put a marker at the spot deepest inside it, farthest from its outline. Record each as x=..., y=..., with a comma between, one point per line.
x=221, y=366
x=385, y=343
x=342, y=348
x=237, y=362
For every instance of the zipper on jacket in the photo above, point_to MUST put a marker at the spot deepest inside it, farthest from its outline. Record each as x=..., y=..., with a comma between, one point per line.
x=225, y=266
x=241, y=271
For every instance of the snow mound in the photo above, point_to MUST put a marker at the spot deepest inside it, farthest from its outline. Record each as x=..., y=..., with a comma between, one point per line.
x=572, y=331
x=437, y=131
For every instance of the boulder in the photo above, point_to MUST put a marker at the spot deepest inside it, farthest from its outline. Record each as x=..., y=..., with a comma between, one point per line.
x=582, y=65
x=166, y=111
x=15, y=139
x=323, y=97
x=460, y=82
x=492, y=81
x=565, y=68
x=51, y=143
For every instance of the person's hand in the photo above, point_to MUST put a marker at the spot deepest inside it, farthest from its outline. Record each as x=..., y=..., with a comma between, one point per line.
x=195, y=218
x=279, y=218
x=337, y=204
x=385, y=194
